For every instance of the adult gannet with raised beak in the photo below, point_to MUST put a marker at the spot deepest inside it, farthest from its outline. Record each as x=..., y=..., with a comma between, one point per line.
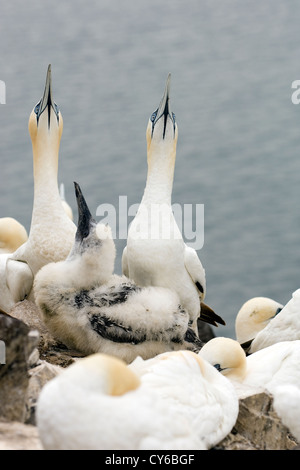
x=88, y=308
x=51, y=232
x=12, y=235
x=98, y=403
x=156, y=254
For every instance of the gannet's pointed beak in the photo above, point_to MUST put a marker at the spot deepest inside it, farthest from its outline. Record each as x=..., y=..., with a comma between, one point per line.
x=46, y=103
x=85, y=219
x=164, y=109
x=209, y=316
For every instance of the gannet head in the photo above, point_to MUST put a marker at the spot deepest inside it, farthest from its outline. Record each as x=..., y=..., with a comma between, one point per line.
x=103, y=373
x=253, y=316
x=227, y=356
x=45, y=121
x=162, y=130
x=12, y=235
x=94, y=247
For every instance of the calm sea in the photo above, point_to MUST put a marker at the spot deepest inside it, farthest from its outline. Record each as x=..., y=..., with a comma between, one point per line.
x=232, y=66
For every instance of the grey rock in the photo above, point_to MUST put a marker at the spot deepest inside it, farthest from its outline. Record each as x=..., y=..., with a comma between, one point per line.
x=14, y=377
x=258, y=427
x=18, y=436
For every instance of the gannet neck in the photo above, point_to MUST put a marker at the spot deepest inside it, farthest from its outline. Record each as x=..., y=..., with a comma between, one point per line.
x=45, y=128
x=160, y=176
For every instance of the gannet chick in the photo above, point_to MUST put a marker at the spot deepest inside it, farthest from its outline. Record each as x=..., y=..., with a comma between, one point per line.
x=90, y=309
x=192, y=388
x=66, y=206
x=52, y=232
x=262, y=322
x=98, y=403
x=268, y=369
x=12, y=235
x=155, y=254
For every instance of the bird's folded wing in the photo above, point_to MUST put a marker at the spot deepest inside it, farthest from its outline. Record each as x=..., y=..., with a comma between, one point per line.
x=19, y=279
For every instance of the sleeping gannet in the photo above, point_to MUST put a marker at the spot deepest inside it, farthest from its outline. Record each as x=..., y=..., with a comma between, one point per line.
x=192, y=387
x=88, y=308
x=52, y=232
x=12, y=235
x=155, y=254
x=269, y=369
x=262, y=322
x=66, y=206
x=98, y=403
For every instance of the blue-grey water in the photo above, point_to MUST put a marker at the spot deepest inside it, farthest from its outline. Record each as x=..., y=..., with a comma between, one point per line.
x=232, y=66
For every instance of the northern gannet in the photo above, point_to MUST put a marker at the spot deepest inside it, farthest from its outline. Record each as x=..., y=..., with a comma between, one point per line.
x=192, y=388
x=155, y=254
x=268, y=369
x=262, y=322
x=90, y=309
x=12, y=235
x=66, y=206
x=52, y=232
x=98, y=403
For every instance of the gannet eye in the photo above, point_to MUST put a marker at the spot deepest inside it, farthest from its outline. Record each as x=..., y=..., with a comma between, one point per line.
x=37, y=108
x=153, y=116
x=218, y=367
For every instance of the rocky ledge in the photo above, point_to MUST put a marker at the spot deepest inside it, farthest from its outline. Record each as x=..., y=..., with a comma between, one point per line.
x=33, y=357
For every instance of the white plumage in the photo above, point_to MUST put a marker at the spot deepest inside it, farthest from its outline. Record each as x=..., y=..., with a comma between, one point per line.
x=191, y=387
x=90, y=309
x=178, y=403
x=287, y=405
x=65, y=204
x=52, y=232
x=155, y=253
x=268, y=369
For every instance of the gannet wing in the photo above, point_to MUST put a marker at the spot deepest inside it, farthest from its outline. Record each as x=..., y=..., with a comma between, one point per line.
x=125, y=269
x=19, y=279
x=196, y=271
x=113, y=331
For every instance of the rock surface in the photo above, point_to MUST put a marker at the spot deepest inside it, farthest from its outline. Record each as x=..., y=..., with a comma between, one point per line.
x=258, y=427
x=19, y=436
x=33, y=357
